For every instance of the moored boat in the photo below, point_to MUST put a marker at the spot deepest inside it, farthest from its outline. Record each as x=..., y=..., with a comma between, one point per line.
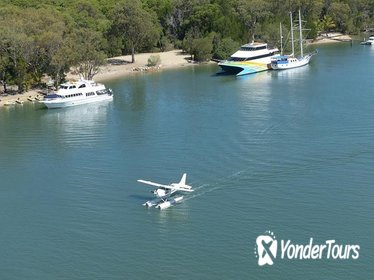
x=282, y=62
x=19, y=101
x=80, y=92
x=369, y=42
x=250, y=58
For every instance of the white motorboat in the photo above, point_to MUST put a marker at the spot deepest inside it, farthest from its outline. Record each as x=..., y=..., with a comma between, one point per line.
x=369, y=42
x=77, y=93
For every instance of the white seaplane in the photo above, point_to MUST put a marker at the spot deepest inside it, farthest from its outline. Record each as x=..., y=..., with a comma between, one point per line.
x=166, y=194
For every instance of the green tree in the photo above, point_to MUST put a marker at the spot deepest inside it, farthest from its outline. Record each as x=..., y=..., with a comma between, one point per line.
x=182, y=10
x=341, y=14
x=252, y=13
x=3, y=73
x=137, y=26
x=202, y=48
x=204, y=18
x=60, y=62
x=87, y=52
x=18, y=48
x=163, y=10
x=327, y=23
x=222, y=49
x=188, y=41
x=87, y=14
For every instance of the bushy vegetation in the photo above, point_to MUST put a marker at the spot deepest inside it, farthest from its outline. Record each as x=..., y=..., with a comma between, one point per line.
x=154, y=60
x=50, y=37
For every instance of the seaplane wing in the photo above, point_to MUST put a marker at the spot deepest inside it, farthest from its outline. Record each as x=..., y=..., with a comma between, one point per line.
x=181, y=186
x=154, y=184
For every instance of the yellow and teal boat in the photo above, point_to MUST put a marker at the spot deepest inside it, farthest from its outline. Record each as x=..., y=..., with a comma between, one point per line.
x=249, y=59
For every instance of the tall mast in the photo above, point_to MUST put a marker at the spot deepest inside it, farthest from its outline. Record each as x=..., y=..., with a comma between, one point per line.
x=301, y=35
x=280, y=31
x=292, y=44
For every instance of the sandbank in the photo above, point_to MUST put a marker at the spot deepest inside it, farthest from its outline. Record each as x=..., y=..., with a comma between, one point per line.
x=330, y=38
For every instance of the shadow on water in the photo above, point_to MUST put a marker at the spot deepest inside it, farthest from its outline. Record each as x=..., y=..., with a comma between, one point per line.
x=222, y=73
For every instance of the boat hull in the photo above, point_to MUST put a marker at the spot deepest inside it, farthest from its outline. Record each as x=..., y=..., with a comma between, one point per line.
x=244, y=68
x=62, y=103
x=367, y=43
x=284, y=65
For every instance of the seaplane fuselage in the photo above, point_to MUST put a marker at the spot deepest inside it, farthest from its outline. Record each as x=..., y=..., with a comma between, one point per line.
x=162, y=192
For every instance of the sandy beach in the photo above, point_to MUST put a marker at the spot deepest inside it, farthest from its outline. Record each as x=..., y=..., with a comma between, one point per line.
x=13, y=99
x=330, y=38
x=117, y=67
x=121, y=66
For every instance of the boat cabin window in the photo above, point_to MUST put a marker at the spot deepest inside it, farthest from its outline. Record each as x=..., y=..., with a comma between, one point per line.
x=74, y=95
x=237, y=59
x=253, y=48
x=82, y=86
x=72, y=87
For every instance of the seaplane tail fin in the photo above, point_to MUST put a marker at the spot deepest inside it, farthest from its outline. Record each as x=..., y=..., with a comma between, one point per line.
x=183, y=180
x=182, y=186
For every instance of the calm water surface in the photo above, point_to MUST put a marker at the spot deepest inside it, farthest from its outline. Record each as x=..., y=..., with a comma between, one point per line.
x=291, y=152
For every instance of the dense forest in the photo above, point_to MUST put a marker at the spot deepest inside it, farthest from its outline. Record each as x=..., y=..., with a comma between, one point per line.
x=49, y=37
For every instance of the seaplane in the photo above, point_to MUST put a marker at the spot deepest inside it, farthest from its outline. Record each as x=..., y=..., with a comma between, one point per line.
x=167, y=195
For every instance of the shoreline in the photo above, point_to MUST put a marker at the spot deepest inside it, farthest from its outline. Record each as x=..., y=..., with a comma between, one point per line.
x=330, y=38
x=116, y=68
x=11, y=100
x=121, y=66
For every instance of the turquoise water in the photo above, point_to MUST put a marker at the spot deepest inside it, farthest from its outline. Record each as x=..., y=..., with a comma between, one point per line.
x=291, y=152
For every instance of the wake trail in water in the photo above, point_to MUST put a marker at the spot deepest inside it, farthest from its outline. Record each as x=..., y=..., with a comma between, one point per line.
x=286, y=168
x=201, y=190
x=202, y=193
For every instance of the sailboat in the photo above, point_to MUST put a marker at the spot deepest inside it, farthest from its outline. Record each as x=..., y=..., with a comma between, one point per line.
x=281, y=62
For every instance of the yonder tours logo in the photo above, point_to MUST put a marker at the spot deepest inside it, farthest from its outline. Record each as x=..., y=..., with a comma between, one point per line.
x=266, y=249
x=267, y=246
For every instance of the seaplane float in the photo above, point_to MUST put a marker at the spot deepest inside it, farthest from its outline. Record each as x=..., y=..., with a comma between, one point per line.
x=167, y=195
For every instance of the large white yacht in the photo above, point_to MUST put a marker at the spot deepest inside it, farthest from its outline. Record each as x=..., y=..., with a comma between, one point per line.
x=77, y=93
x=250, y=58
